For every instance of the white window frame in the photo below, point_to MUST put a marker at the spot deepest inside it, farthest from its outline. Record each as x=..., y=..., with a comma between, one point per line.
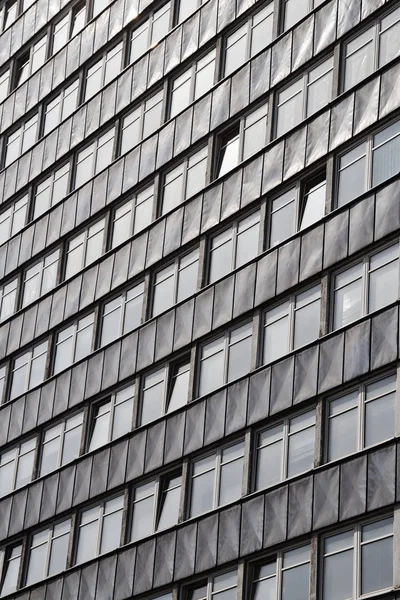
x=140, y=115
x=66, y=426
x=114, y=401
x=26, y=448
x=191, y=75
x=52, y=535
x=199, y=157
x=39, y=270
x=132, y=207
x=365, y=276
x=31, y=355
x=8, y=290
x=5, y=79
x=102, y=515
x=209, y=582
x=12, y=215
x=58, y=104
x=19, y=136
x=81, y=242
x=357, y=554
x=50, y=183
x=149, y=26
x=92, y=150
x=219, y=464
x=76, y=328
x=101, y=65
x=178, y=266
x=137, y=291
x=360, y=407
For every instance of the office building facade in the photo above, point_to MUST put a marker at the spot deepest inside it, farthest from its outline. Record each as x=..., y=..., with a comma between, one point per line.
x=199, y=299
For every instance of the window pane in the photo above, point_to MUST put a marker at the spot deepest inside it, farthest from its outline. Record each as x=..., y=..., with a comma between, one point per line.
x=231, y=481
x=348, y=304
x=380, y=419
x=111, y=533
x=59, y=552
x=377, y=565
x=314, y=205
x=87, y=542
x=283, y=216
x=212, y=369
x=236, y=50
x=352, y=176
x=37, y=558
x=319, y=91
x=359, y=58
x=384, y=285
x=294, y=11
x=390, y=31
x=386, y=154
x=229, y=154
x=338, y=575
x=202, y=498
x=290, y=108
x=276, y=339
x=343, y=427
x=143, y=515
x=307, y=318
x=301, y=448
x=296, y=583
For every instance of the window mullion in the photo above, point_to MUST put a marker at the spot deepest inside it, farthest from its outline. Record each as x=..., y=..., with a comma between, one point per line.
x=49, y=545
x=217, y=477
x=357, y=563
x=156, y=503
x=365, y=288
x=111, y=422
x=361, y=419
x=285, y=451
x=100, y=529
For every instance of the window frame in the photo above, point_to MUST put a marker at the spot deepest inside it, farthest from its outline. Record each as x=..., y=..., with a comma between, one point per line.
x=43, y=266
x=365, y=278
x=49, y=550
x=291, y=315
x=77, y=329
x=96, y=147
x=6, y=558
x=208, y=582
x=94, y=415
x=360, y=407
x=20, y=453
x=22, y=130
x=219, y=463
x=170, y=370
x=64, y=430
x=30, y=358
x=150, y=27
x=301, y=190
x=356, y=529
x=64, y=166
x=160, y=488
x=107, y=56
x=131, y=205
x=306, y=84
x=143, y=108
x=13, y=209
x=88, y=235
x=124, y=302
x=286, y=435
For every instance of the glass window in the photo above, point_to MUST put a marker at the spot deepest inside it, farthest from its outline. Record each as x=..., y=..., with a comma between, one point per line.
x=225, y=359
x=103, y=71
x=304, y=97
x=22, y=68
x=78, y=18
x=122, y=314
x=389, y=30
x=28, y=370
x=234, y=247
x=142, y=122
x=150, y=32
x=249, y=39
x=176, y=282
x=229, y=152
x=13, y=219
x=164, y=390
x=217, y=479
x=361, y=418
x=61, y=107
x=21, y=140
x=38, y=54
x=11, y=569
x=185, y=180
x=94, y=158
x=8, y=299
x=366, y=286
x=155, y=506
x=112, y=418
x=352, y=174
x=16, y=466
x=48, y=552
x=218, y=587
x=61, y=444
x=254, y=131
x=99, y=5
x=10, y=13
x=4, y=84
x=100, y=529
x=187, y=8
x=41, y=278
x=85, y=248
x=287, y=577
x=74, y=343
x=386, y=153
x=193, y=83
x=285, y=450
x=292, y=324
x=367, y=552
x=295, y=10
x=133, y=216
x=312, y=206
x=51, y=190
x=61, y=33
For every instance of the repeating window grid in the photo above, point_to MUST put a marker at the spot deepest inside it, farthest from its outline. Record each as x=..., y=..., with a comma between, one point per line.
x=362, y=272
x=54, y=534
x=85, y=248
x=150, y=32
x=8, y=299
x=245, y=34
x=289, y=311
x=174, y=272
x=4, y=84
x=71, y=338
x=356, y=547
x=133, y=216
x=369, y=44
x=13, y=219
x=60, y=432
x=33, y=374
x=52, y=190
x=366, y=153
x=108, y=411
x=41, y=278
x=11, y=576
x=183, y=172
x=61, y=107
x=285, y=436
x=217, y=467
x=359, y=405
x=21, y=140
x=107, y=510
x=141, y=122
x=191, y=77
x=303, y=87
x=16, y=466
x=104, y=70
x=122, y=305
